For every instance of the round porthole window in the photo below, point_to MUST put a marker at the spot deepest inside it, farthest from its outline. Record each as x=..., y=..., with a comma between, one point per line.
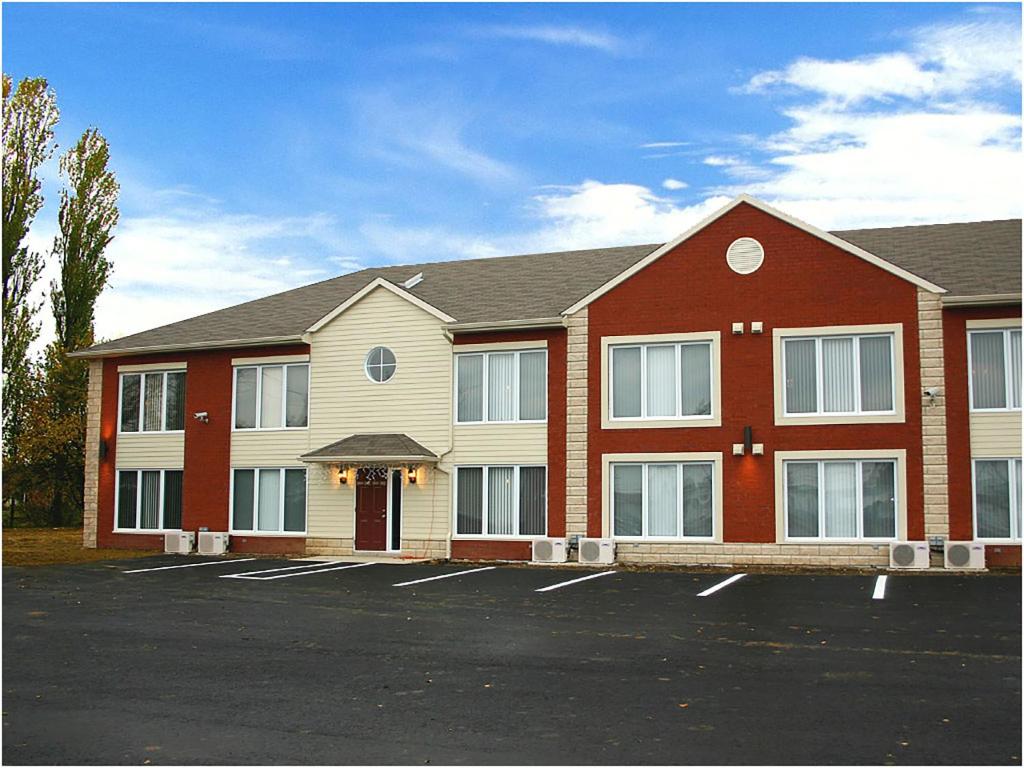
x=744, y=255
x=380, y=364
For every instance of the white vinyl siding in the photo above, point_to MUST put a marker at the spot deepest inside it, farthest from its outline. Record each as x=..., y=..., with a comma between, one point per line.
x=271, y=397
x=268, y=501
x=153, y=401
x=997, y=499
x=672, y=500
x=148, y=500
x=501, y=387
x=838, y=375
x=995, y=368
x=661, y=381
x=841, y=500
x=500, y=501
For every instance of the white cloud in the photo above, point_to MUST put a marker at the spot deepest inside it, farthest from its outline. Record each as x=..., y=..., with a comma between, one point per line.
x=664, y=144
x=578, y=37
x=674, y=184
x=721, y=161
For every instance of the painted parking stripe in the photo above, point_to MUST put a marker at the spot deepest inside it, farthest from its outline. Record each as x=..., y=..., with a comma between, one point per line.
x=190, y=565
x=290, y=575
x=444, y=576
x=561, y=584
x=310, y=564
x=879, y=593
x=721, y=585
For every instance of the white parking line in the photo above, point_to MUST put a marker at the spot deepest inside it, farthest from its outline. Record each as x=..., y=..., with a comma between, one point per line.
x=879, y=593
x=289, y=575
x=721, y=585
x=561, y=584
x=190, y=565
x=311, y=564
x=444, y=576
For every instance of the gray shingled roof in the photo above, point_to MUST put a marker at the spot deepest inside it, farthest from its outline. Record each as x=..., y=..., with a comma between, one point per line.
x=391, y=446
x=978, y=258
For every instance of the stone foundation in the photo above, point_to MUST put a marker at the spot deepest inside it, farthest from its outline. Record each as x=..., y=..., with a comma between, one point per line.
x=831, y=555
x=410, y=548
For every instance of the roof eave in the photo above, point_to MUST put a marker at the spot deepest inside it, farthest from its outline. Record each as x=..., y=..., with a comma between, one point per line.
x=982, y=300
x=506, y=325
x=265, y=341
x=402, y=459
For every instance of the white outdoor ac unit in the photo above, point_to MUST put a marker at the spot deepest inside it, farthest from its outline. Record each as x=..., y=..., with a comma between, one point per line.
x=213, y=542
x=549, y=551
x=179, y=543
x=965, y=555
x=909, y=554
x=597, y=551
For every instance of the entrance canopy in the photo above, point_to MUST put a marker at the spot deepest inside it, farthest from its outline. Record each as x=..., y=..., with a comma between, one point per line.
x=372, y=449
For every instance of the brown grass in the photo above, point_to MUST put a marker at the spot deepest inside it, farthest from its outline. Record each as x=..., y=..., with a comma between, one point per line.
x=52, y=546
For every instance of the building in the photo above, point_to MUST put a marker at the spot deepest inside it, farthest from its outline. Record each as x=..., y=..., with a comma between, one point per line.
x=755, y=391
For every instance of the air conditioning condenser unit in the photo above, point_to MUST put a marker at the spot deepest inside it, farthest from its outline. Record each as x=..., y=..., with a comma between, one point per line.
x=549, y=551
x=213, y=542
x=909, y=554
x=179, y=542
x=965, y=556
x=597, y=551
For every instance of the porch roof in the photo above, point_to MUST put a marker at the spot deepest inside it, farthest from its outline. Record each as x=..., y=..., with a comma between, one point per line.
x=372, y=448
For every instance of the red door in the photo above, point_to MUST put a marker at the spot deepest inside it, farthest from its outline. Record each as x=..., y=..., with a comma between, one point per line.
x=372, y=508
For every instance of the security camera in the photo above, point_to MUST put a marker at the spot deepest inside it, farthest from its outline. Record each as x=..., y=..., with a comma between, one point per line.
x=933, y=392
x=202, y=416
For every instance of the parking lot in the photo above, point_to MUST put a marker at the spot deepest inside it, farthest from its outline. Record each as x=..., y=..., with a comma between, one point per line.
x=283, y=662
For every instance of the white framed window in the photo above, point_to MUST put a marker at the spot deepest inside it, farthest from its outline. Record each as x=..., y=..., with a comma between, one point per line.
x=997, y=499
x=842, y=499
x=838, y=375
x=268, y=501
x=148, y=500
x=993, y=360
x=660, y=381
x=153, y=401
x=380, y=365
x=501, y=501
x=671, y=500
x=271, y=397
x=501, y=386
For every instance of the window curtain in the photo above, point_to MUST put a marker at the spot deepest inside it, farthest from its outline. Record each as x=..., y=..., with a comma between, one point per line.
x=698, y=513
x=802, y=499
x=532, y=501
x=988, y=371
x=878, y=495
x=270, y=499
x=876, y=373
x=295, y=500
x=663, y=500
x=501, y=511
x=628, y=499
x=152, y=410
x=837, y=375
x=470, y=388
x=1015, y=369
x=695, y=364
x=626, y=382
x=840, y=499
x=801, y=386
x=470, y=510
x=245, y=398
x=533, y=385
x=150, y=513
x=131, y=390
x=127, y=498
x=270, y=400
x=172, y=498
x=243, y=499
x=661, y=381
x=992, y=499
x=297, y=396
x=175, y=406
x=500, y=387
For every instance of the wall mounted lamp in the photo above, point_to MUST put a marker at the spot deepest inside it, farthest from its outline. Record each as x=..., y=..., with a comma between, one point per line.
x=103, y=449
x=411, y=474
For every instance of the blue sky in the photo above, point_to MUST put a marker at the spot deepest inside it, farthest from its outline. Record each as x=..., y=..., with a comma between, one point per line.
x=265, y=146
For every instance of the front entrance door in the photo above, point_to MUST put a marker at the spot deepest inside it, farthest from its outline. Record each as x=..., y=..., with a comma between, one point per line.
x=372, y=508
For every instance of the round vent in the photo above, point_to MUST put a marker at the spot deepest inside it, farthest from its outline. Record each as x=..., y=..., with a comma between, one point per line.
x=542, y=550
x=958, y=555
x=903, y=555
x=590, y=551
x=744, y=255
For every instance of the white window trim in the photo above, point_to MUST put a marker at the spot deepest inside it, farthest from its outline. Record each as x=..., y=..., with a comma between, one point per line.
x=714, y=419
x=485, y=412
x=895, y=416
x=1015, y=538
x=898, y=455
x=1005, y=330
x=485, y=534
x=138, y=501
x=256, y=503
x=142, y=373
x=259, y=397
x=366, y=365
x=644, y=506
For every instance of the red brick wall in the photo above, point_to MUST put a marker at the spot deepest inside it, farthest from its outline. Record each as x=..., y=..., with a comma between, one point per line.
x=484, y=549
x=958, y=428
x=804, y=281
x=207, y=446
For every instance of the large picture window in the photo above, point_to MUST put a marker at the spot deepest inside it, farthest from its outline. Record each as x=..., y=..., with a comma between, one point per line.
x=272, y=397
x=994, y=359
x=997, y=498
x=501, y=386
x=153, y=401
x=501, y=501
x=838, y=375
x=663, y=501
x=842, y=499
x=148, y=500
x=661, y=381
x=268, y=501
